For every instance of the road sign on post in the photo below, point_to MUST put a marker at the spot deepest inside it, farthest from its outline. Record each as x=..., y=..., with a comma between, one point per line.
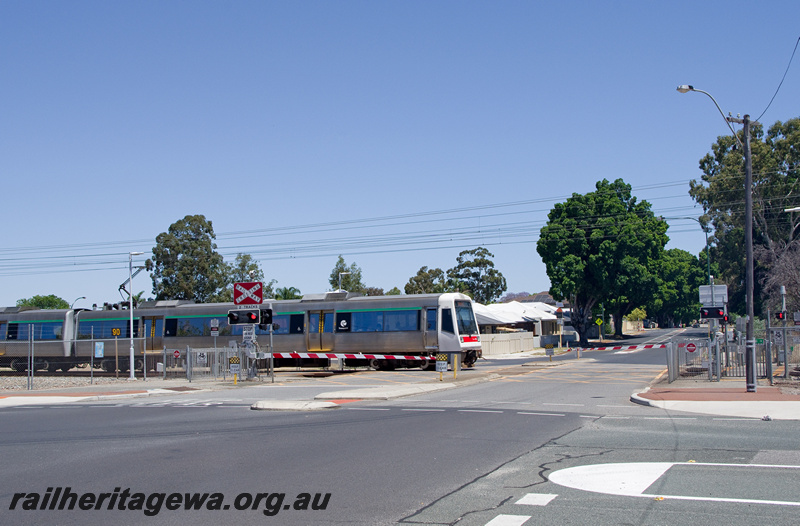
x=248, y=293
x=713, y=295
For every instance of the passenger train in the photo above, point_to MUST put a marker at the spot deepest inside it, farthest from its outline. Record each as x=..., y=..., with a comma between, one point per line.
x=333, y=322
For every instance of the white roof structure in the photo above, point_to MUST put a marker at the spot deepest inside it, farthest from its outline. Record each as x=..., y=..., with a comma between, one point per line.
x=508, y=313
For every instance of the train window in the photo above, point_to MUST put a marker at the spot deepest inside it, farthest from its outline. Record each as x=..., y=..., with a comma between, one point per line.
x=430, y=320
x=465, y=318
x=106, y=329
x=282, y=323
x=367, y=321
x=327, y=325
x=297, y=323
x=170, y=326
x=313, y=323
x=48, y=330
x=401, y=320
x=3, y=326
x=447, y=321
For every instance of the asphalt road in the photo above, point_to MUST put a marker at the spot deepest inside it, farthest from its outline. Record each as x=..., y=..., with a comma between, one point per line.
x=537, y=445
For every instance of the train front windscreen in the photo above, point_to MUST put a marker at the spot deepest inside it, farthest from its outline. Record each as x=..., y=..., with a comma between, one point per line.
x=465, y=318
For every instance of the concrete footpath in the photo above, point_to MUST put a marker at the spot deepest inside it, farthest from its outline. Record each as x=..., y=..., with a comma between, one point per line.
x=724, y=398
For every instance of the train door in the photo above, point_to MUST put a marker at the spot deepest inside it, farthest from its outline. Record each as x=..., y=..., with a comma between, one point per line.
x=430, y=334
x=153, y=333
x=320, y=331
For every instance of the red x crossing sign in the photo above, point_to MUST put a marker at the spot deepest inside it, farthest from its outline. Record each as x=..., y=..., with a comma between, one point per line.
x=248, y=293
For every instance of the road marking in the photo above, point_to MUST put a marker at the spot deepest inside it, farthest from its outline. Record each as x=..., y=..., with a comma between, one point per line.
x=571, y=405
x=413, y=409
x=508, y=520
x=632, y=479
x=667, y=418
x=370, y=408
x=539, y=414
x=537, y=499
x=478, y=411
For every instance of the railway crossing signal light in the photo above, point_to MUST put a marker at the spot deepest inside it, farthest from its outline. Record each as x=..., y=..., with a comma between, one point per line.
x=780, y=315
x=712, y=312
x=238, y=316
x=265, y=320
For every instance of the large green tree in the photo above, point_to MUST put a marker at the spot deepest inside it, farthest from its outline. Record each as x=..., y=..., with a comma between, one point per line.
x=679, y=276
x=427, y=281
x=475, y=275
x=776, y=186
x=51, y=301
x=601, y=246
x=186, y=264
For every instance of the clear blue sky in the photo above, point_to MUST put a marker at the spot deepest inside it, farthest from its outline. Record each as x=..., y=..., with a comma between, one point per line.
x=323, y=128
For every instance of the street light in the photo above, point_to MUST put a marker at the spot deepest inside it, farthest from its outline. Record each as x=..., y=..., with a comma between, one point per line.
x=340, y=279
x=130, y=307
x=76, y=301
x=750, y=344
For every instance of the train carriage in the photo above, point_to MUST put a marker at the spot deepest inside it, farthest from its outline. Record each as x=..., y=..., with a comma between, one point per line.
x=333, y=322
x=50, y=330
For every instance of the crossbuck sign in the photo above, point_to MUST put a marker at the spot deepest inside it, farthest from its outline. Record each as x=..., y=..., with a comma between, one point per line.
x=248, y=293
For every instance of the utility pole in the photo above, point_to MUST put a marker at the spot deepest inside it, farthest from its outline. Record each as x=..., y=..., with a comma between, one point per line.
x=750, y=343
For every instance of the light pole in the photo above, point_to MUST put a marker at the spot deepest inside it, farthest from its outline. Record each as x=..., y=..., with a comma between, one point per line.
x=130, y=307
x=76, y=301
x=340, y=279
x=750, y=344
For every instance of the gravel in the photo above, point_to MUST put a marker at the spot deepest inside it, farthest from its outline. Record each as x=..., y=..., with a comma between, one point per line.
x=55, y=382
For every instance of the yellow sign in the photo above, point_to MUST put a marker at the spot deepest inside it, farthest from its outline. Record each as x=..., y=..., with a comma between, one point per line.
x=599, y=321
x=233, y=360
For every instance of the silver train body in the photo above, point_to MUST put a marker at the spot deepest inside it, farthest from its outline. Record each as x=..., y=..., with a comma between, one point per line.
x=333, y=322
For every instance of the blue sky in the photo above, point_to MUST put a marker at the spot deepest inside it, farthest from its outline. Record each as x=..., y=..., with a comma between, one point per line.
x=394, y=133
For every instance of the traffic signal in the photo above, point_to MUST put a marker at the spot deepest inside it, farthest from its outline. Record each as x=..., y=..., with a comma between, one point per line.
x=725, y=319
x=712, y=312
x=266, y=319
x=780, y=315
x=237, y=316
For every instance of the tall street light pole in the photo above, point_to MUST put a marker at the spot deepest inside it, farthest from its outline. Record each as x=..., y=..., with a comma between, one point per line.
x=750, y=344
x=130, y=308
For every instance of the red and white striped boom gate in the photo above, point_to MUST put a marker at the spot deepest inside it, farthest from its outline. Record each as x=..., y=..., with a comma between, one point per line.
x=351, y=356
x=629, y=347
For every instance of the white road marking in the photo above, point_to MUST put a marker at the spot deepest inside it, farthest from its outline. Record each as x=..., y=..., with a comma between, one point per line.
x=632, y=479
x=539, y=414
x=508, y=520
x=537, y=499
x=478, y=411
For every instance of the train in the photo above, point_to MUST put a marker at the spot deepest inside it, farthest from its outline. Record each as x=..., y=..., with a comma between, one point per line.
x=332, y=322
